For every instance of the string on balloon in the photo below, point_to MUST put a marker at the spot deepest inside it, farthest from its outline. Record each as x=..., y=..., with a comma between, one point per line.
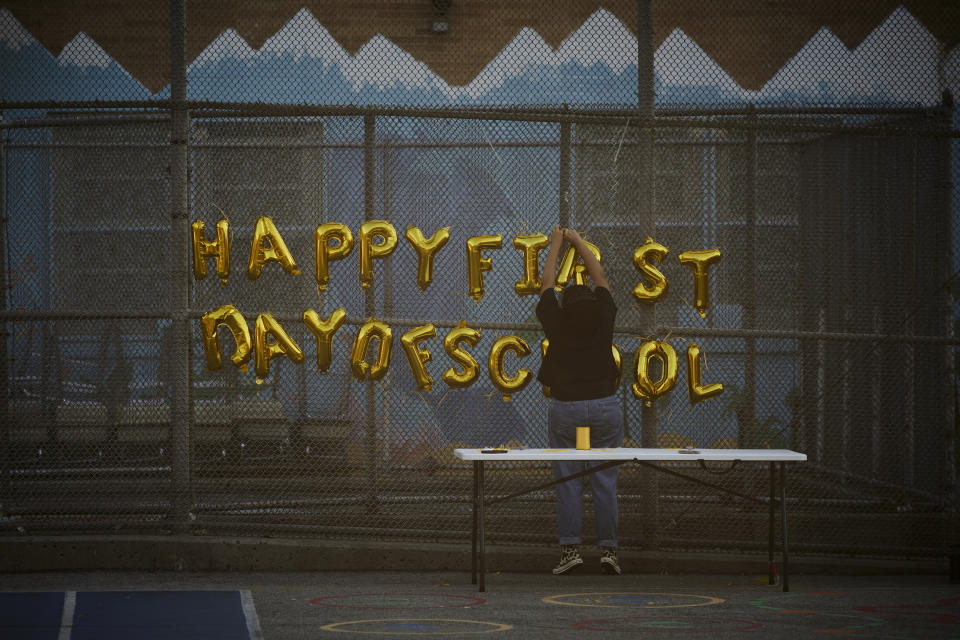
x=615, y=184
x=506, y=191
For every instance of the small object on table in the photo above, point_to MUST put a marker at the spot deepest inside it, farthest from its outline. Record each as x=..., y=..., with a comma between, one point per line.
x=583, y=438
x=493, y=450
x=688, y=451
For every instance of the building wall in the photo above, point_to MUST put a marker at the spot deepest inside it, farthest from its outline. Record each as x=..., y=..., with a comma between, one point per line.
x=750, y=40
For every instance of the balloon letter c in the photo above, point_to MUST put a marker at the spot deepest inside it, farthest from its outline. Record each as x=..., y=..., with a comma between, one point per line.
x=499, y=378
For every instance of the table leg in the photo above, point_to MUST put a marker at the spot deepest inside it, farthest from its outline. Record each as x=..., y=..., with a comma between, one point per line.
x=473, y=518
x=783, y=526
x=480, y=500
x=771, y=525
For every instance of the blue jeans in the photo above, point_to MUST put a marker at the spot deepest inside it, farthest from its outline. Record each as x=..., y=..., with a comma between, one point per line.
x=604, y=416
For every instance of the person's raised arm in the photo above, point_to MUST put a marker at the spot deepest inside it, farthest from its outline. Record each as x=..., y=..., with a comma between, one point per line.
x=549, y=278
x=594, y=269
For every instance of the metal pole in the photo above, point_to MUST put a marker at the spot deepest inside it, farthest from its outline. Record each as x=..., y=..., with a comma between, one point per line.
x=947, y=304
x=647, y=223
x=473, y=522
x=783, y=526
x=369, y=164
x=4, y=336
x=771, y=524
x=481, y=530
x=181, y=416
x=747, y=438
x=387, y=381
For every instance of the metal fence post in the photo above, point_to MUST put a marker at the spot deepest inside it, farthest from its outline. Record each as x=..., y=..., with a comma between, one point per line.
x=747, y=436
x=564, y=213
x=647, y=223
x=4, y=335
x=387, y=382
x=945, y=184
x=369, y=202
x=181, y=414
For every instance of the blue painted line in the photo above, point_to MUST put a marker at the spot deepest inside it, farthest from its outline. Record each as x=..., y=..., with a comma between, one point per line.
x=30, y=616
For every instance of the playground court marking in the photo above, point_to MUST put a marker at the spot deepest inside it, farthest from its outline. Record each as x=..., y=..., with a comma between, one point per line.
x=633, y=599
x=415, y=626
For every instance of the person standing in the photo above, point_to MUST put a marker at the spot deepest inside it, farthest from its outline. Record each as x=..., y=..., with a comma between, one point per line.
x=581, y=372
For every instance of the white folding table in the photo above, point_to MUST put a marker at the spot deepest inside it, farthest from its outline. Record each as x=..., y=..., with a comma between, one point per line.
x=606, y=458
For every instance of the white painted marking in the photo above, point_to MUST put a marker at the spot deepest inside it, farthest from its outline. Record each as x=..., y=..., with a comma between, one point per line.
x=66, y=618
x=250, y=613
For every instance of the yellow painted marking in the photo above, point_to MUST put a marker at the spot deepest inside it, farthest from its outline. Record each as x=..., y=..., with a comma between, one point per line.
x=708, y=600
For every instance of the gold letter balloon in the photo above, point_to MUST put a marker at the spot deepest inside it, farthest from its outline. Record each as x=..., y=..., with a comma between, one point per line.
x=477, y=264
x=426, y=251
x=418, y=357
x=531, y=246
x=228, y=316
x=325, y=234
x=275, y=251
x=657, y=288
x=544, y=345
x=697, y=391
x=645, y=388
x=498, y=376
x=371, y=329
x=699, y=262
x=324, y=330
x=265, y=350
x=572, y=265
x=218, y=249
x=369, y=231
x=452, y=345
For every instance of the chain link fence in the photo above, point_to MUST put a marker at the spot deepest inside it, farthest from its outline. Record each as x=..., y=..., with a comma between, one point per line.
x=829, y=192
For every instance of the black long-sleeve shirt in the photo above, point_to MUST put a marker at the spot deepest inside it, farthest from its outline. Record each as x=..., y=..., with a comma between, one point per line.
x=578, y=367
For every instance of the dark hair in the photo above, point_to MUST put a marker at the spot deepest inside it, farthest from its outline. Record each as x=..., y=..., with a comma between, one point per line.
x=580, y=312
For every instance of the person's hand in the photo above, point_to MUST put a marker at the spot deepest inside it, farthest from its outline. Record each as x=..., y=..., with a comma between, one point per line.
x=572, y=237
x=556, y=235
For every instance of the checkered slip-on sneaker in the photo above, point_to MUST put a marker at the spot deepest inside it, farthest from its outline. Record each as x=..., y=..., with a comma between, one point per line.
x=569, y=558
x=608, y=561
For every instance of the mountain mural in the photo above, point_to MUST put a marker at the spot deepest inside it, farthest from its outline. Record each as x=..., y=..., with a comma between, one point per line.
x=594, y=66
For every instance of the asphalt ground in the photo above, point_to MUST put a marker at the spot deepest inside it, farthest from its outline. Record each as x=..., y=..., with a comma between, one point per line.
x=405, y=604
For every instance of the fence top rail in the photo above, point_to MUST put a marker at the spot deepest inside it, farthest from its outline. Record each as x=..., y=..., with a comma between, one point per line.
x=750, y=118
